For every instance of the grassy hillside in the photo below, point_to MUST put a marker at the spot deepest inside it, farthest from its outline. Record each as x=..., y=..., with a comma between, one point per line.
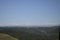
x=6, y=37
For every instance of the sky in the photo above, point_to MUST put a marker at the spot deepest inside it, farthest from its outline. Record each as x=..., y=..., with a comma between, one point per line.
x=29, y=12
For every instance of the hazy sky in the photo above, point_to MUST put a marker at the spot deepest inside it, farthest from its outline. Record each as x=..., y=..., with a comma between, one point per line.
x=29, y=12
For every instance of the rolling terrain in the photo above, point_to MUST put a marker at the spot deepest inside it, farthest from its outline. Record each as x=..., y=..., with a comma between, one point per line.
x=32, y=33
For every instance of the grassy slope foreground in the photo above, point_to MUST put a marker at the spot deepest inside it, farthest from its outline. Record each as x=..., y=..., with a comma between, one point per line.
x=6, y=37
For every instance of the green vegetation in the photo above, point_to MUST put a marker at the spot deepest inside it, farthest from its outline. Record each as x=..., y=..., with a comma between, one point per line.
x=38, y=33
x=6, y=37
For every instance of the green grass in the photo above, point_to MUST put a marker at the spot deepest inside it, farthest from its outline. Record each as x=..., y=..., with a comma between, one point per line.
x=6, y=37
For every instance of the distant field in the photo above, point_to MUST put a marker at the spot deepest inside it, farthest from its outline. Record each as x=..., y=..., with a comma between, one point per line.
x=6, y=37
x=31, y=33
